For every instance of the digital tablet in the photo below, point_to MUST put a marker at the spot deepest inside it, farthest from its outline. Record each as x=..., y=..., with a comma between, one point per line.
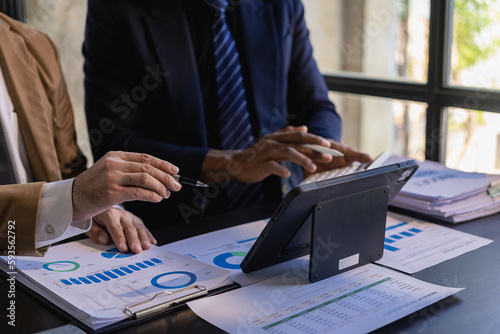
x=339, y=221
x=354, y=167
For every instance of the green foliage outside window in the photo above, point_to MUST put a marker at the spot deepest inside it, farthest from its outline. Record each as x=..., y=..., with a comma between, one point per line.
x=470, y=19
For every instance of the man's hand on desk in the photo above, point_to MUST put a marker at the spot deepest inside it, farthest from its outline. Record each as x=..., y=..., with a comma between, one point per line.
x=262, y=159
x=350, y=155
x=126, y=230
x=120, y=177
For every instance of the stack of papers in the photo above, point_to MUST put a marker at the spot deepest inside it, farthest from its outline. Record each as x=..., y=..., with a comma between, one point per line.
x=448, y=194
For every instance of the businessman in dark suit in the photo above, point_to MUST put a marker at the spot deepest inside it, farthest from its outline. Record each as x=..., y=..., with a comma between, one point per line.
x=152, y=86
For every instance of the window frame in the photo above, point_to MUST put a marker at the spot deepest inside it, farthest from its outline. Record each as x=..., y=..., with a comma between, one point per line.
x=436, y=93
x=13, y=8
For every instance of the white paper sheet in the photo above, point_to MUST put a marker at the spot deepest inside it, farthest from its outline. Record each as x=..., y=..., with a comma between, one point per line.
x=101, y=282
x=412, y=245
x=358, y=301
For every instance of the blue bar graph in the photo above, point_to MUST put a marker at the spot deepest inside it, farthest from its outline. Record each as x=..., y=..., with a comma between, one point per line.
x=396, y=226
x=84, y=280
x=390, y=248
x=245, y=241
x=101, y=276
x=125, y=269
x=110, y=274
x=119, y=272
x=393, y=238
x=115, y=273
x=93, y=279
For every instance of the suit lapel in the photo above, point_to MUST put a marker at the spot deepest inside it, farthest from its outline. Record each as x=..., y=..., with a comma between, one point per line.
x=33, y=109
x=262, y=54
x=171, y=39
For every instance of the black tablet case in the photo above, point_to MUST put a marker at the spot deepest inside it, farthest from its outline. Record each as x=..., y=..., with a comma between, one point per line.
x=340, y=222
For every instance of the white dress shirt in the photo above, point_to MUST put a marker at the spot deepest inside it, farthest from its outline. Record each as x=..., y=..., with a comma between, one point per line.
x=55, y=212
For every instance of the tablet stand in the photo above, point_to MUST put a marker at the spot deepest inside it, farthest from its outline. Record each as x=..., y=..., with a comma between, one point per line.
x=347, y=232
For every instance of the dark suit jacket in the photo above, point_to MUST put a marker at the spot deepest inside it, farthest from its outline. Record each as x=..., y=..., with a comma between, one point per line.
x=38, y=91
x=143, y=90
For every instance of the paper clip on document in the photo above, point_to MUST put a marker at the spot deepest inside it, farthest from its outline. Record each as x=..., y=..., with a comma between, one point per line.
x=201, y=291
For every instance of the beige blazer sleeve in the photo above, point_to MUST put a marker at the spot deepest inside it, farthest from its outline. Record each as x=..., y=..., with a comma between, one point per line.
x=18, y=218
x=40, y=98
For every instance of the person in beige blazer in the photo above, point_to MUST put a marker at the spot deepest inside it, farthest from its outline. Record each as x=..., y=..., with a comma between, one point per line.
x=42, y=113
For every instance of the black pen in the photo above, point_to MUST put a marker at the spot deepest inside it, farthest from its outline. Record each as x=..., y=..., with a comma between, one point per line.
x=189, y=182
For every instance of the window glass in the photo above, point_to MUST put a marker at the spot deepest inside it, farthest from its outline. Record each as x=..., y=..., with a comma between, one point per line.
x=385, y=39
x=374, y=124
x=64, y=22
x=475, y=50
x=473, y=140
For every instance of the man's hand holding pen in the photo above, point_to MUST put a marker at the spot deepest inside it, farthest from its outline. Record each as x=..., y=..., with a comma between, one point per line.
x=120, y=177
x=189, y=182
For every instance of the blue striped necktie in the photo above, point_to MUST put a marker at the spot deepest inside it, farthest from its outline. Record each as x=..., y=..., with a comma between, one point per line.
x=234, y=119
x=6, y=171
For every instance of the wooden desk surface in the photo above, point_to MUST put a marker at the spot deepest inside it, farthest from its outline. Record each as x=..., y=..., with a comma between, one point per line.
x=473, y=310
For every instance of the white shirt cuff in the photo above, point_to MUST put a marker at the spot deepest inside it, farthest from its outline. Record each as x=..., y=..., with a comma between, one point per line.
x=55, y=213
x=119, y=206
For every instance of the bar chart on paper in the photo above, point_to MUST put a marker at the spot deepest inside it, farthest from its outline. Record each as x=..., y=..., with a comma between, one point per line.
x=105, y=275
x=109, y=271
x=411, y=245
x=393, y=236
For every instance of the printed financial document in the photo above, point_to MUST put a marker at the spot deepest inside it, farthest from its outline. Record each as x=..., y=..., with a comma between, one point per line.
x=95, y=283
x=358, y=301
x=412, y=245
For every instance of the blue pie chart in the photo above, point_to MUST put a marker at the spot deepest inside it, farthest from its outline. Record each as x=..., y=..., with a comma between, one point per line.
x=115, y=253
x=221, y=260
x=182, y=279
